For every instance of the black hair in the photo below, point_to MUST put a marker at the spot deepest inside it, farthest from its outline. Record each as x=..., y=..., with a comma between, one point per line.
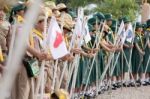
x=64, y=9
x=67, y=29
x=11, y=17
x=54, y=96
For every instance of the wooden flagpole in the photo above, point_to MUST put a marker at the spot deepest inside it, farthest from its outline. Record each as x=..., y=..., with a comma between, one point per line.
x=13, y=65
x=41, y=76
x=93, y=59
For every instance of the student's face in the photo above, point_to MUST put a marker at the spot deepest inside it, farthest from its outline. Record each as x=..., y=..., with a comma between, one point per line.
x=66, y=31
x=109, y=22
x=21, y=13
x=48, y=21
x=2, y=14
x=126, y=25
x=96, y=26
x=40, y=25
x=140, y=30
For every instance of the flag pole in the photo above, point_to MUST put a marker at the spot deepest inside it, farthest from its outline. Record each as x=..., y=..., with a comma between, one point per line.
x=93, y=59
x=54, y=78
x=21, y=43
x=66, y=62
x=147, y=65
x=12, y=40
x=56, y=64
x=77, y=57
x=111, y=55
x=130, y=72
x=132, y=48
x=40, y=82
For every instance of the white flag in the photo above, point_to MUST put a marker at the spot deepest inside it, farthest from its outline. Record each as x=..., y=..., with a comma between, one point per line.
x=87, y=36
x=121, y=28
x=78, y=28
x=55, y=40
x=122, y=33
x=130, y=34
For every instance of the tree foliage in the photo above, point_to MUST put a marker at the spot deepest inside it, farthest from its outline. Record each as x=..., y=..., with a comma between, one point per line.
x=119, y=8
x=78, y=3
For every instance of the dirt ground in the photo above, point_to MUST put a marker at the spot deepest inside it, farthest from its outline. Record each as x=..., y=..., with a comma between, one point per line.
x=127, y=93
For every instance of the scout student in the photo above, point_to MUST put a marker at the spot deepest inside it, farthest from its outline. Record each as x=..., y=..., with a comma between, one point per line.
x=5, y=29
x=126, y=50
x=108, y=18
x=17, y=13
x=66, y=29
x=26, y=80
x=103, y=46
x=147, y=52
x=137, y=55
x=116, y=73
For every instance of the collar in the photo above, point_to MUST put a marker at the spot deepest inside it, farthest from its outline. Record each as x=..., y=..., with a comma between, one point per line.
x=38, y=33
x=20, y=19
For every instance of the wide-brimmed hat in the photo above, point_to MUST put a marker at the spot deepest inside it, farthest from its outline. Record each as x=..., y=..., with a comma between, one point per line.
x=138, y=25
x=51, y=5
x=66, y=21
x=108, y=16
x=100, y=16
x=61, y=6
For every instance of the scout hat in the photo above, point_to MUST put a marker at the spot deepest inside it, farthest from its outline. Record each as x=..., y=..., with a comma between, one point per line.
x=92, y=21
x=61, y=6
x=138, y=25
x=4, y=7
x=19, y=7
x=126, y=19
x=66, y=21
x=51, y=5
x=100, y=16
x=40, y=18
x=108, y=16
x=48, y=11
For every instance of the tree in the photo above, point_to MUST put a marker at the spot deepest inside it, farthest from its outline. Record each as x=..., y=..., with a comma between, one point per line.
x=119, y=8
x=77, y=3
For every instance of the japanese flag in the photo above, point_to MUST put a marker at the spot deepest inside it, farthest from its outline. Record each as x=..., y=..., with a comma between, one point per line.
x=55, y=40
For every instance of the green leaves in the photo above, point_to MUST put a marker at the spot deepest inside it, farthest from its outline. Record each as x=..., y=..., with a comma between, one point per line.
x=119, y=8
x=78, y=3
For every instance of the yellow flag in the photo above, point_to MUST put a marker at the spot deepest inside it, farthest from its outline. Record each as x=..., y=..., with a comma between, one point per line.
x=1, y=55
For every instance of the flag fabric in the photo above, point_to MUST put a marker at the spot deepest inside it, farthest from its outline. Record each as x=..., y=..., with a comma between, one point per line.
x=121, y=33
x=55, y=40
x=77, y=34
x=121, y=28
x=130, y=33
x=86, y=33
x=78, y=28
